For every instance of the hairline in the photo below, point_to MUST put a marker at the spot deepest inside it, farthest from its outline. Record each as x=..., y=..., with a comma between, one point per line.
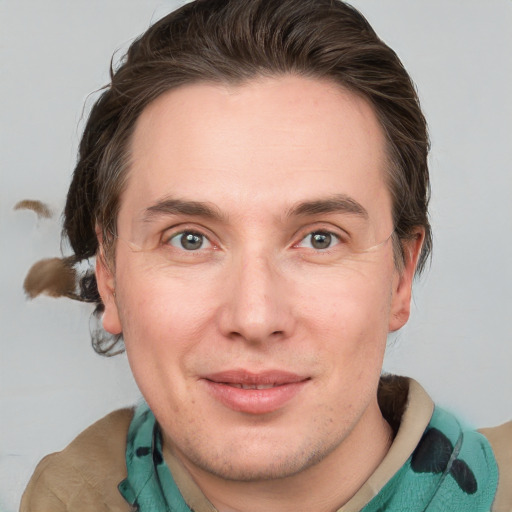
x=390, y=164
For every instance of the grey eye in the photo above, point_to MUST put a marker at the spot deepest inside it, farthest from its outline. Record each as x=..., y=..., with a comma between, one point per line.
x=189, y=241
x=319, y=240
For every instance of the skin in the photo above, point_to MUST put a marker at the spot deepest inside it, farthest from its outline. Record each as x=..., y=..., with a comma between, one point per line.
x=257, y=295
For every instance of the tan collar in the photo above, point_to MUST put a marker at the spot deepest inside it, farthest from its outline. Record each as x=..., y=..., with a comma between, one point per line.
x=415, y=415
x=415, y=418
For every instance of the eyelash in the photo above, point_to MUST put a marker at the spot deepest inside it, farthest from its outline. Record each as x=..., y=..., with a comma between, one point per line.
x=167, y=240
x=336, y=237
x=320, y=232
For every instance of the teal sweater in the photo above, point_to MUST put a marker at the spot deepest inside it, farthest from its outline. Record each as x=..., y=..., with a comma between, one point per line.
x=451, y=470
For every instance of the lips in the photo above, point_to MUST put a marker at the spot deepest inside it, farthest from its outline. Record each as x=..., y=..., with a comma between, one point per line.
x=250, y=386
x=254, y=393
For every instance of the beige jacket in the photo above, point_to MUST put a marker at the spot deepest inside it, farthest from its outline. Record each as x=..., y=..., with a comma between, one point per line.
x=84, y=476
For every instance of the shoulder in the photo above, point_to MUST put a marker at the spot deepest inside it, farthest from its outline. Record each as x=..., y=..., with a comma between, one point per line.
x=83, y=476
x=500, y=439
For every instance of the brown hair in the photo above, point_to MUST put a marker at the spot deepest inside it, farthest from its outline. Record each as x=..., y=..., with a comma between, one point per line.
x=232, y=41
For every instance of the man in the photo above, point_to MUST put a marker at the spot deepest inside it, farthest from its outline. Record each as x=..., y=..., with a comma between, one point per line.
x=254, y=187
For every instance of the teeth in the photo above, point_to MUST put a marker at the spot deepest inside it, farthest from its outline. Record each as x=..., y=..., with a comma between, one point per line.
x=251, y=386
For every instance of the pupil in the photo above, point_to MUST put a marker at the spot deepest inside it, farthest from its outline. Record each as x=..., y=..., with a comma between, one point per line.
x=321, y=240
x=191, y=241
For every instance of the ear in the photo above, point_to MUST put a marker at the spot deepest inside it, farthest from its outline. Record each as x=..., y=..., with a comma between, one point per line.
x=106, y=287
x=402, y=285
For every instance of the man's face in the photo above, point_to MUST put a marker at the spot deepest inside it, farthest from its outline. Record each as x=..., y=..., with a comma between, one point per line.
x=254, y=276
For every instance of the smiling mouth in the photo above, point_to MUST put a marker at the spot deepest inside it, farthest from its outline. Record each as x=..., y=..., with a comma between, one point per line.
x=255, y=393
x=245, y=379
x=250, y=386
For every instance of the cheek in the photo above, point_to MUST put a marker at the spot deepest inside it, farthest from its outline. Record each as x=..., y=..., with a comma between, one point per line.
x=348, y=321
x=163, y=325
x=163, y=318
x=354, y=305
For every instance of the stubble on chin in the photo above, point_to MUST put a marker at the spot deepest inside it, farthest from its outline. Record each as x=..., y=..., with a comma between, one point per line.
x=259, y=462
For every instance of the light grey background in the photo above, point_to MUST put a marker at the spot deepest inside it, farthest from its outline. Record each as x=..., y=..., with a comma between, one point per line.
x=458, y=343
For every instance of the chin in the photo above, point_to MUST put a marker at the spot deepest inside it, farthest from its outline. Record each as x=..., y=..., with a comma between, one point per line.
x=264, y=470
x=245, y=462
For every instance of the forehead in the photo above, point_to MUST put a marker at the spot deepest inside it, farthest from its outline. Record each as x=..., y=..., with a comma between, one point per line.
x=267, y=144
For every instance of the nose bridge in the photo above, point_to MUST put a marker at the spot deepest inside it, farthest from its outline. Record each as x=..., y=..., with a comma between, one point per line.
x=257, y=308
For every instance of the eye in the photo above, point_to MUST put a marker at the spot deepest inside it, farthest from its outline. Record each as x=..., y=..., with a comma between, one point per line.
x=189, y=240
x=319, y=240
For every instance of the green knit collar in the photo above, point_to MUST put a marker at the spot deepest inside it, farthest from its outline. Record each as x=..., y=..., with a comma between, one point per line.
x=451, y=469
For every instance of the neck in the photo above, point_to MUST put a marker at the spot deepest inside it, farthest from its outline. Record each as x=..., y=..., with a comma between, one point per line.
x=324, y=487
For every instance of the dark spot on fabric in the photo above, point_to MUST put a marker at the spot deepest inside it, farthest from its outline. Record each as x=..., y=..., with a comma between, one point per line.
x=142, y=451
x=157, y=457
x=432, y=456
x=464, y=477
x=432, y=453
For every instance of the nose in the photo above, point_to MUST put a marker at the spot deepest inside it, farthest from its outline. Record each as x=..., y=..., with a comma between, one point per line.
x=257, y=306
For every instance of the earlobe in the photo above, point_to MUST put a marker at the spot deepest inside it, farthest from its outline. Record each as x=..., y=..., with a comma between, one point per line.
x=106, y=288
x=401, y=302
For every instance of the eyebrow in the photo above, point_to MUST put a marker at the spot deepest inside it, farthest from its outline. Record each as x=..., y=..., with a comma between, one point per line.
x=171, y=206
x=338, y=203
